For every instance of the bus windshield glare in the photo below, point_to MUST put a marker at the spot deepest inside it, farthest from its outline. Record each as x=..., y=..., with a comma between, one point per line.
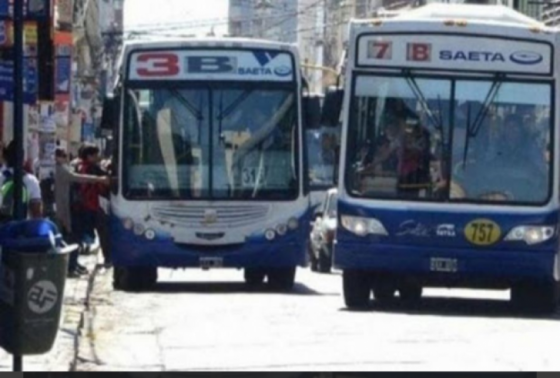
x=450, y=140
x=211, y=142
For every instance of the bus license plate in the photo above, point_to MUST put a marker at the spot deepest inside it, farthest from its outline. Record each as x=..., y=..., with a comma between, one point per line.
x=211, y=262
x=444, y=265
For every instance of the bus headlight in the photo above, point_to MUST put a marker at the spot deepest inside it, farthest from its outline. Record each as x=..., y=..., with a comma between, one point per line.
x=293, y=224
x=282, y=229
x=531, y=234
x=270, y=235
x=139, y=229
x=363, y=226
x=128, y=224
x=150, y=234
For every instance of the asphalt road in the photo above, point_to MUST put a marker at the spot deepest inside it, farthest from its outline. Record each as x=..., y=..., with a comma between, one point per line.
x=197, y=320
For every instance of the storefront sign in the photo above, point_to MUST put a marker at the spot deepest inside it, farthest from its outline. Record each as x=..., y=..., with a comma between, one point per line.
x=30, y=81
x=63, y=66
x=34, y=9
x=30, y=36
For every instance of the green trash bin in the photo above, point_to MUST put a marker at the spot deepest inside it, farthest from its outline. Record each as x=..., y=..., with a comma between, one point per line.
x=32, y=278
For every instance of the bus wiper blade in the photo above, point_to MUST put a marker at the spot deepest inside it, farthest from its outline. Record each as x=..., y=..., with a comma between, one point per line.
x=483, y=112
x=474, y=128
x=238, y=101
x=436, y=122
x=190, y=107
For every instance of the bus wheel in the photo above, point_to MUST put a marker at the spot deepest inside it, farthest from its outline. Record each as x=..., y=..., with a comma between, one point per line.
x=282, y=279
x=536, y=297
x=325, y=262
x=254, y=277
x=384, y=292
x=411, y=293
x=357, y=289
x=134, y=279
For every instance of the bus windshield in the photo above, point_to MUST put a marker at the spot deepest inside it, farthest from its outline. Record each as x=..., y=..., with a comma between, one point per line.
x=213, y=143
x=450, y=140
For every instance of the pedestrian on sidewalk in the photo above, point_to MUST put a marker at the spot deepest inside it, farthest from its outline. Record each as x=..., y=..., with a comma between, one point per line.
x=90, y=195
x=32, y=199
x=103, y=219
x=64, y=178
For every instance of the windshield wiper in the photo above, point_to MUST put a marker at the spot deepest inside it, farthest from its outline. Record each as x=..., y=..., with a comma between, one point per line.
x=474, y=128
x=437, y=122
x=233, y=106
x=190, y=107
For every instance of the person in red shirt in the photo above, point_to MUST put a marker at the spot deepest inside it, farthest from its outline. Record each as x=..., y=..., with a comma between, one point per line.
x=90, y=193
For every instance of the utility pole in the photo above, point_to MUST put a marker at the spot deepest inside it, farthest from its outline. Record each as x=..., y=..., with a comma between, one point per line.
x=19, y=67
x=18, y=127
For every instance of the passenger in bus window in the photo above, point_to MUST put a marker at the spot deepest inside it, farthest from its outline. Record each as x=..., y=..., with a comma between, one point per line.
x=414, y=176
x=381, y=158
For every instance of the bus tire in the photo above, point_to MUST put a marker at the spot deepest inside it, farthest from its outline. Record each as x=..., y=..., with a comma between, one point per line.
x=134, y=279
x=536, y=297
x=411, y=293
x=282, y=279
x=254, y=277
x=357, y=289
x=325, y=262
x=384, y=292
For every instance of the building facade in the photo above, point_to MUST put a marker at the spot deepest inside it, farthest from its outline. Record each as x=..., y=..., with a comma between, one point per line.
x=291, y=21
x=338, y=14
x=98, y=34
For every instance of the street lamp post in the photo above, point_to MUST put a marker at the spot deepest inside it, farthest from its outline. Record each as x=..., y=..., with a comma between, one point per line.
x=18, y=106
x=18, y=127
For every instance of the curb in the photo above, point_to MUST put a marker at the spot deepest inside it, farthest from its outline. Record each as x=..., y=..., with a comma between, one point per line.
x=82, y=323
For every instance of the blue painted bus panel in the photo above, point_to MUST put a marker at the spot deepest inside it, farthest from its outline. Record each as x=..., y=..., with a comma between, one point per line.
x=417, y=237
x=130, y=250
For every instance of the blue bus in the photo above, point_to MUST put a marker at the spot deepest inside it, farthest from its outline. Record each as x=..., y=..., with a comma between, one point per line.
x=449, y=173
x=210, y=161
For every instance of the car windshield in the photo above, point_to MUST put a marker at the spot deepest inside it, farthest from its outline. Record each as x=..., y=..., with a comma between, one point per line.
x=427, y=139
x=211, y=143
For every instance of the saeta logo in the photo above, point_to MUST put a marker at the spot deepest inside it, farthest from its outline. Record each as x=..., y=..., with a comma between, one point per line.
x=283, y=71
x=265, y=57
x=526, y=57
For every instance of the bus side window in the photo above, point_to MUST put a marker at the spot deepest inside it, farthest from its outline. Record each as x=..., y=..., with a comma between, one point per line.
x=115, y=158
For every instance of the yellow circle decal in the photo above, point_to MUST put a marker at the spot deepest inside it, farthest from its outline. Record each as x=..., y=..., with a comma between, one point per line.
x=483, y=232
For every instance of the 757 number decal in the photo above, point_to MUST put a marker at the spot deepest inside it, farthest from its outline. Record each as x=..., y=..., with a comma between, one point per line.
x=483, y=232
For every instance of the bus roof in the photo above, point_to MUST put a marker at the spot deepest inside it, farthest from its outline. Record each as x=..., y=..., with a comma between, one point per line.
x=483, y=15
x=206, y=42
x=462, y=38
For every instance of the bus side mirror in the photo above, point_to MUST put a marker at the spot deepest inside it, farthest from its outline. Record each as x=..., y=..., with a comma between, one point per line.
x=312, y=112
x=110, y=115
x=332, y=107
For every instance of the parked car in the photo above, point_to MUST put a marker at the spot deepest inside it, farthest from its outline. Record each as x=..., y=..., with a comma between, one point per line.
x=321, y=242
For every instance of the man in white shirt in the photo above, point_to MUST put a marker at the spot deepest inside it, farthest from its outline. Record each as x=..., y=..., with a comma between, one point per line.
x=32, y=196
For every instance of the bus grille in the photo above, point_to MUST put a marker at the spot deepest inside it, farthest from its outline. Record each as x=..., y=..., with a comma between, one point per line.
x=195, y=216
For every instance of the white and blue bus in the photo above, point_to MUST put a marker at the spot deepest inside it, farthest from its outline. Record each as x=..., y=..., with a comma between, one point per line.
x=449, y=171
x=210, y=161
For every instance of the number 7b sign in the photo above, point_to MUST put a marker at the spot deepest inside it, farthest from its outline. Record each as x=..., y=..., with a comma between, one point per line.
x=380, y=50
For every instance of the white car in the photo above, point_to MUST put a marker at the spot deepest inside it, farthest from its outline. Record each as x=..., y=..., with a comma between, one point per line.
x=322, y=235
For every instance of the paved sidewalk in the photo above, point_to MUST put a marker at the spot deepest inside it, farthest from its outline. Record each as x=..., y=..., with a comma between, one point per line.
x=62, y=357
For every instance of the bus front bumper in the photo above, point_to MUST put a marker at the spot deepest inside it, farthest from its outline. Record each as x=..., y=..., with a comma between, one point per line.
x=446, y=267
x=130, y=250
